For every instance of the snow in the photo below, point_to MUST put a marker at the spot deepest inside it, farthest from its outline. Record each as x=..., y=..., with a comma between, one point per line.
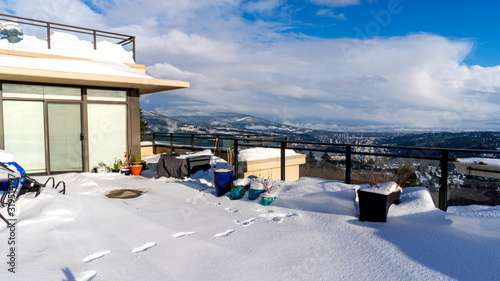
x=383, y=188
x=485, y=161
x=100, y=67
x=6, y=156
x=107, y=59
x=206, y=152
x=242, y=182
x=178, y=230
x=66, y=44
x=261, y=153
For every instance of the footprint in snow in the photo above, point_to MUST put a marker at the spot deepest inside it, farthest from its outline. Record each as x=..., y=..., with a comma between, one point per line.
x=86, y=276
x=231, y=210
x=95, y=256
x=277, y=217
x=182, y=234
x=144, y=247
x=246, y=222
x=225, y=233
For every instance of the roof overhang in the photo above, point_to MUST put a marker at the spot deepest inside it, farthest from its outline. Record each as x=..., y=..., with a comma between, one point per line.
x=144, y=85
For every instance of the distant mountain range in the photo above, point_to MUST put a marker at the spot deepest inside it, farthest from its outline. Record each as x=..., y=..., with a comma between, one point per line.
x=218, y=122
x=243, y=124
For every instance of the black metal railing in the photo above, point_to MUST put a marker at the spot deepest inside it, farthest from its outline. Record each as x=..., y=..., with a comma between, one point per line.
x=443, y=155
x=123, y=40
x=199, y=141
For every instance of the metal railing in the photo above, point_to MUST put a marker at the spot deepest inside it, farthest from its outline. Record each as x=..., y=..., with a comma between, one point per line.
x=443, y=155
x=159, y=139
x=122, y=39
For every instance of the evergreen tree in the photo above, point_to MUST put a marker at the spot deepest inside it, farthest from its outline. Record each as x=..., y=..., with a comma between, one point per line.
x=406, y=175
x=311, y=161
x=326, y=161
x=144, y=124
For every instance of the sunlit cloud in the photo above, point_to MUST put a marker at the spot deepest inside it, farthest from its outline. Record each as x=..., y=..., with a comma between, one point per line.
x=261, y=67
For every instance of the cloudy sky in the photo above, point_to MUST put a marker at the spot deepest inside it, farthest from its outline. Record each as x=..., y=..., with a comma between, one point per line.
x=330, y=64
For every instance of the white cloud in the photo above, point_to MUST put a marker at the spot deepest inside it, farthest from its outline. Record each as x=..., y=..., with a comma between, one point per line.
x=262, y=6
x=336, y=3
x=330, y=13
x=251, y=67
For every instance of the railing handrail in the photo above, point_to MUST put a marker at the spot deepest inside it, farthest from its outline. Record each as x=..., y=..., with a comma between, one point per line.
x=269, y=139
x=348, y=150
x=126, y=39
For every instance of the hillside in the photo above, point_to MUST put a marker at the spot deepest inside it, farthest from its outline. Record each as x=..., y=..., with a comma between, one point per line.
x=470, y=140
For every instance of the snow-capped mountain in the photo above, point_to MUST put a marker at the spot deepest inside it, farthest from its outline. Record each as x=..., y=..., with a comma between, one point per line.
x=217, y=122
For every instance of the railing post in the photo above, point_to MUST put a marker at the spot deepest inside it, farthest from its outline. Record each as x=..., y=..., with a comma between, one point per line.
x=133, y=47
x=171, y=143
x=348, y=164
x=443, y=181
x=192, y=141
x=94, y=34
x=154, y=144
x=235, y=174
x=48, y=35
x=283, y=160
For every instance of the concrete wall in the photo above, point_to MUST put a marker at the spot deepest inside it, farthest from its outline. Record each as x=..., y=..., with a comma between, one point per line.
x=271, y=168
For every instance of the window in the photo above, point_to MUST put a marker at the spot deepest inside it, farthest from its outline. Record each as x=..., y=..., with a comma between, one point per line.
x=106, y=95
x=40, y=92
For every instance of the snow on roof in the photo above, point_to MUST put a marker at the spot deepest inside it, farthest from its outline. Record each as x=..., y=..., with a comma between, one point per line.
x=485, y=161
x=70, y=57
x=66, y=44
x=100, y=67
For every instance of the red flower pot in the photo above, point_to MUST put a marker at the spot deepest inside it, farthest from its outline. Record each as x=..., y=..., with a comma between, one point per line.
x=136, y=170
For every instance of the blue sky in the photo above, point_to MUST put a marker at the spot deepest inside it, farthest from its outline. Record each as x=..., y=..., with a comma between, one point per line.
x=327, y=64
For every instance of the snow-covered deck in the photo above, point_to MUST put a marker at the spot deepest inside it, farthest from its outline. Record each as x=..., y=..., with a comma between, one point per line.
x=178, y=230
x=481, y=167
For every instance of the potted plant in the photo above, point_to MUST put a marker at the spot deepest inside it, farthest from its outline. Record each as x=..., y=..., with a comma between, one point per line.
x=271, y=191
x=124, y=169
x=239, y=188
x=102, y=168
x=375, y=200
x=256, y=189
x=117, y=165
x=223, y=175
x=136, y=165
x=12, y=31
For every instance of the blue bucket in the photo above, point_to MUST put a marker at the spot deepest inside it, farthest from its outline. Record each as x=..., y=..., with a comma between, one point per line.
x=238, y=191
x=265, y=201
x=255, y=193
x=222, y=182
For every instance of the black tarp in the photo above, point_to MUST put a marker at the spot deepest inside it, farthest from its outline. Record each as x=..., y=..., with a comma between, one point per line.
x=169, y=166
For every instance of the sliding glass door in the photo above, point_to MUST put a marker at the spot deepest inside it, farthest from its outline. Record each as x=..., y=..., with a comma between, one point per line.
x=107, y=125
x=24, y=133
x=65, y=130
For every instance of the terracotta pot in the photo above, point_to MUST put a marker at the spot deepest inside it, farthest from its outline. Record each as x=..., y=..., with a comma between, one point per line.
x=136, y=170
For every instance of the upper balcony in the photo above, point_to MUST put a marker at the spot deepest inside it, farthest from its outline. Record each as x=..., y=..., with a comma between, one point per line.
x=29, y=35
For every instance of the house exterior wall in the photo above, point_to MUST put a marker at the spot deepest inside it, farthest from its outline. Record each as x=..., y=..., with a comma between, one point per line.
x=132, y=120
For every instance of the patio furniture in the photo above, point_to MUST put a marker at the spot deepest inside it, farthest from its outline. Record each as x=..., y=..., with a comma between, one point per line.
x=181, y=165
x=14, y=182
